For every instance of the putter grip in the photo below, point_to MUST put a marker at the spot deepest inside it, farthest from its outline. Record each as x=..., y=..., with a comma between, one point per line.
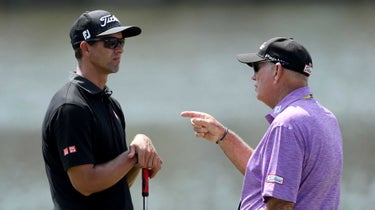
x=145, y=177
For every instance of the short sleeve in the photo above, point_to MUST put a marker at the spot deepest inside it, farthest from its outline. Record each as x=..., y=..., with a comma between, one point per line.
x=73, y=130
x=283, y=164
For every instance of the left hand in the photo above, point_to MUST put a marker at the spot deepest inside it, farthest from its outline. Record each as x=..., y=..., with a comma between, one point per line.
x=142, y=147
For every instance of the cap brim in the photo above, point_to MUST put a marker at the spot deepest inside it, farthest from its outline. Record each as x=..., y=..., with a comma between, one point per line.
x=249, y=58
x=127, y=31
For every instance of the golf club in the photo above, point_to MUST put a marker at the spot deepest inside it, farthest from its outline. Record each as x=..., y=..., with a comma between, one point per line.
x=145, y=193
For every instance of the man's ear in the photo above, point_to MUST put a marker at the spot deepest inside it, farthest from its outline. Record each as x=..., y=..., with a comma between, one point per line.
x=84, y=47
x=278, y=72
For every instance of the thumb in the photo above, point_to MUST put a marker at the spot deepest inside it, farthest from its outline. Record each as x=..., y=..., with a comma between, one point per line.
x=132, y=152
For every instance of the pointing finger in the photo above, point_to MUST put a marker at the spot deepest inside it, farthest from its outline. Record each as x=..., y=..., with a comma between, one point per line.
x=195, y=114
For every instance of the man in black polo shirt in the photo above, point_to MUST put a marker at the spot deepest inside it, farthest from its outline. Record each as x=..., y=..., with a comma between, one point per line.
x=88, y=163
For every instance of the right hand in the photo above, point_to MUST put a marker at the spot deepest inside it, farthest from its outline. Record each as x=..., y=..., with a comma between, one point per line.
x=205, y=125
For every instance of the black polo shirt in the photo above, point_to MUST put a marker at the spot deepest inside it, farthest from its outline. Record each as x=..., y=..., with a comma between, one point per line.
x=83, y=125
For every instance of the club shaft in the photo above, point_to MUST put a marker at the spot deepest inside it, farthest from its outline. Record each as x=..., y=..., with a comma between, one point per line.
x=145, y=192
x=145, y=203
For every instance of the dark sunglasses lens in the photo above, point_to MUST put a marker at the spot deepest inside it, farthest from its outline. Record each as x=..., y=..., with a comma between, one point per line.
x=255, y=67
x=113, y=43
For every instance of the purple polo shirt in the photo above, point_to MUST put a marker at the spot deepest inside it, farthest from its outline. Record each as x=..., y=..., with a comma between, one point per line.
x=299, y=159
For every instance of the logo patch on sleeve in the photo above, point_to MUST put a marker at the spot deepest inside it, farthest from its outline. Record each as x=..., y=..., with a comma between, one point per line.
x=272, y=178
x=72, y=149
x=66, y=151
x=69, y=150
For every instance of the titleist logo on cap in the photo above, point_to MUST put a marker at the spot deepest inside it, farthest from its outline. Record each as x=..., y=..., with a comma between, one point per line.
x=107, y=19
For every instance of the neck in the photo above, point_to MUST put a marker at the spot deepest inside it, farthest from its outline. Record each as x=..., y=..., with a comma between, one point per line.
x=292, y=82
x=99, y=80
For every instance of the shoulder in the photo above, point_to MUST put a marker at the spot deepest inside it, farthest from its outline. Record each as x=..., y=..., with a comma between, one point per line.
x=294, y=121
x=306, y=111
x=70, y=93
x=291, y=115
x=68, y=98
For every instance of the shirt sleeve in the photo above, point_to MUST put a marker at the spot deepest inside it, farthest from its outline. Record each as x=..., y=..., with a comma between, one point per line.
x=73, y=130
x=283, y=163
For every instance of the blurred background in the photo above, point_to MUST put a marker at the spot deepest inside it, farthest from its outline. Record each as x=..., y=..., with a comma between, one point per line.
x=185, y=60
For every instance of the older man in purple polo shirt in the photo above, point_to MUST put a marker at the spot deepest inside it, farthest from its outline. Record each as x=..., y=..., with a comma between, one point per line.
x=298, y=163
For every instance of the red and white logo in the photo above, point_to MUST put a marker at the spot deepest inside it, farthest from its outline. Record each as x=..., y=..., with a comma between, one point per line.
x=66, y=151
x=69, y=150
x=72, y=149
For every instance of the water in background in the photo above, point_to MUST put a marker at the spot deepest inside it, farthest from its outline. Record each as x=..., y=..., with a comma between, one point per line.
x=185, y=60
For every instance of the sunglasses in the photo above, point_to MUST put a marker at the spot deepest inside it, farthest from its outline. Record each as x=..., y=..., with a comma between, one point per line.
x=256, y=66
x=110, y=42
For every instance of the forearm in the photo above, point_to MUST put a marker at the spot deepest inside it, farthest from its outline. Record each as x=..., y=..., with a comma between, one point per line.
x=236, y=150
x=111, y=172
x=88, y=179
x=277, y=204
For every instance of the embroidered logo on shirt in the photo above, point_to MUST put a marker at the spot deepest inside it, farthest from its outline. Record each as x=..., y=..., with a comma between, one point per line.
x=69, y=150
x=66, y=151
x=272, y=178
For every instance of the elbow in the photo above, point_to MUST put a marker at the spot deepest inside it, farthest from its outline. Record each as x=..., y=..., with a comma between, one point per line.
x=82, y=180
x=84, y=190
x=85, y=193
